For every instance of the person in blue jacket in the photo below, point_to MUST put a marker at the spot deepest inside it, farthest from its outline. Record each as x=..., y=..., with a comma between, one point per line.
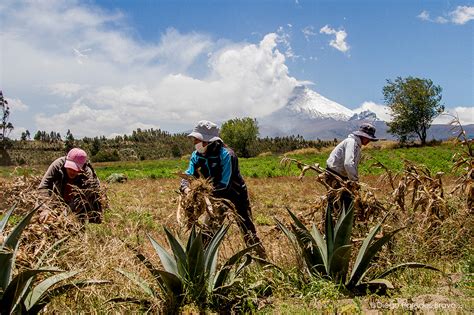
x=213, y=159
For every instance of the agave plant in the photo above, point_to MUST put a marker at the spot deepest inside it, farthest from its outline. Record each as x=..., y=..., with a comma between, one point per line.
x=21, y=293
x=190, y=273
x=329, y=256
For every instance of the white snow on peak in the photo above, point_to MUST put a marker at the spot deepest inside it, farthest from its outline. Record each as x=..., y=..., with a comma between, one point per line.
x=310, y=103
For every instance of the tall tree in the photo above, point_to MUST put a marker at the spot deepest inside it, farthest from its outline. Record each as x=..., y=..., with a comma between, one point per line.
x=240, y=134
x=69, y=143
x=6, y=126
x=414, y=104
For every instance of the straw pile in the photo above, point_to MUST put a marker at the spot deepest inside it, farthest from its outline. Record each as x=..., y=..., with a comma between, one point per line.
x=53, y=222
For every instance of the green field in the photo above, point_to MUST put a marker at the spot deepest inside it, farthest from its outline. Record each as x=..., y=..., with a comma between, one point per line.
x=436, y=158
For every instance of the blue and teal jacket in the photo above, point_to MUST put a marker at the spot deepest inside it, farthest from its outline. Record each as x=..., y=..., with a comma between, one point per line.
x=220, y=164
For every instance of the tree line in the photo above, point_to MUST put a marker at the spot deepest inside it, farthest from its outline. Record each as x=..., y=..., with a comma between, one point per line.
x=414, y=104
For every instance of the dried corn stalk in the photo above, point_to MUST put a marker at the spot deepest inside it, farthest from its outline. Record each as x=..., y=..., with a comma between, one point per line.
x=365, y=203
x=200, y=208
x=426, y=190
x=465, y=161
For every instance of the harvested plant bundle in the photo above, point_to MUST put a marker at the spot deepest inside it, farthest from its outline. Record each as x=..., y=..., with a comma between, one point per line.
x=55, y=220
x=366, y=205
x=200, y=208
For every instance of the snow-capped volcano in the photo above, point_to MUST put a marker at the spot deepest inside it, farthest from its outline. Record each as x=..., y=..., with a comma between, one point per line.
x=312, y=116
x=315, y=106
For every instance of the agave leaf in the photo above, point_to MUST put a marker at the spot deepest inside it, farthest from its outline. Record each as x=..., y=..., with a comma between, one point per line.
x=367, y=254
x=6, y=258
x=296, y=220
x=314, y=255
x=366, y=243
x=191, y=238
x=385, y=282
x=223, y=274
x=12, y=239
x=178, y=252
x=309, y=248
x=11, y=243
x=287, y=232
x=173, y=284
x=138, y=281
x=293, y=239
x=5, y=218
x=245, y=263
x=195, y=261
x=320, y=242
x=169, y=263
x=60, y=290
x=404, y=266
x=15, y=288
x=41, y=288
x=343, y=228
x=339, y=263
x=210, y=256
x=150, y=267
x=329, y=229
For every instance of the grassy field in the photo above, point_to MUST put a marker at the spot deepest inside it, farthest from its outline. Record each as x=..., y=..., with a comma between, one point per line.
x=437, y=158
x=147, y=203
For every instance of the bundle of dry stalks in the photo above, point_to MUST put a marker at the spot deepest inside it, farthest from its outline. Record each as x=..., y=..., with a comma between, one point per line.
x=366, y=205
x=55, y=220
x=198, y=207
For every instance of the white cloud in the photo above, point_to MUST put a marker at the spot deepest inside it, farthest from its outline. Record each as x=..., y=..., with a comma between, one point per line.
x=461, y=15
x=102, y=81
x=284, y=38
x=382, y=111
x=465, y=115
x=65, y=89
x=16, y=104
x=424, y=16
x=308, y=32
x=441, y=20
x=340, y=39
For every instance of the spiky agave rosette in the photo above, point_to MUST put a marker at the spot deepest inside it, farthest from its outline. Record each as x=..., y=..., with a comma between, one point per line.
x=54, y=222
x=200, y=208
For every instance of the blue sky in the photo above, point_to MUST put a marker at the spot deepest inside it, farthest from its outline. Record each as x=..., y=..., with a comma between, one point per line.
x=108, y=67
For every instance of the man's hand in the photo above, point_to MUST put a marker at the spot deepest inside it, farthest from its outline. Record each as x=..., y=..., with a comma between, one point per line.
x=187, y=190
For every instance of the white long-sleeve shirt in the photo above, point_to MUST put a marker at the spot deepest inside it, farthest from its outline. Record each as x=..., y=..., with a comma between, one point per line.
x=345, y=157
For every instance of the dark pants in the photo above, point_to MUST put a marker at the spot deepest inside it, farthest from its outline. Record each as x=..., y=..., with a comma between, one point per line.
x=244, y=221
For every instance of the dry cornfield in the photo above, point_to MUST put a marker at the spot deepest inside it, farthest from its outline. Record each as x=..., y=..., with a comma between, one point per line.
x=138, y=207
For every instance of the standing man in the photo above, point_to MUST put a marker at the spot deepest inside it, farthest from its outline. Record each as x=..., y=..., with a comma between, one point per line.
x=75, y=181
x=214, y=160
x=343, y=162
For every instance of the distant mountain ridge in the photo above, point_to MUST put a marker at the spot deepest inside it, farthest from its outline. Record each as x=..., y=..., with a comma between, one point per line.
x=313, y=116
